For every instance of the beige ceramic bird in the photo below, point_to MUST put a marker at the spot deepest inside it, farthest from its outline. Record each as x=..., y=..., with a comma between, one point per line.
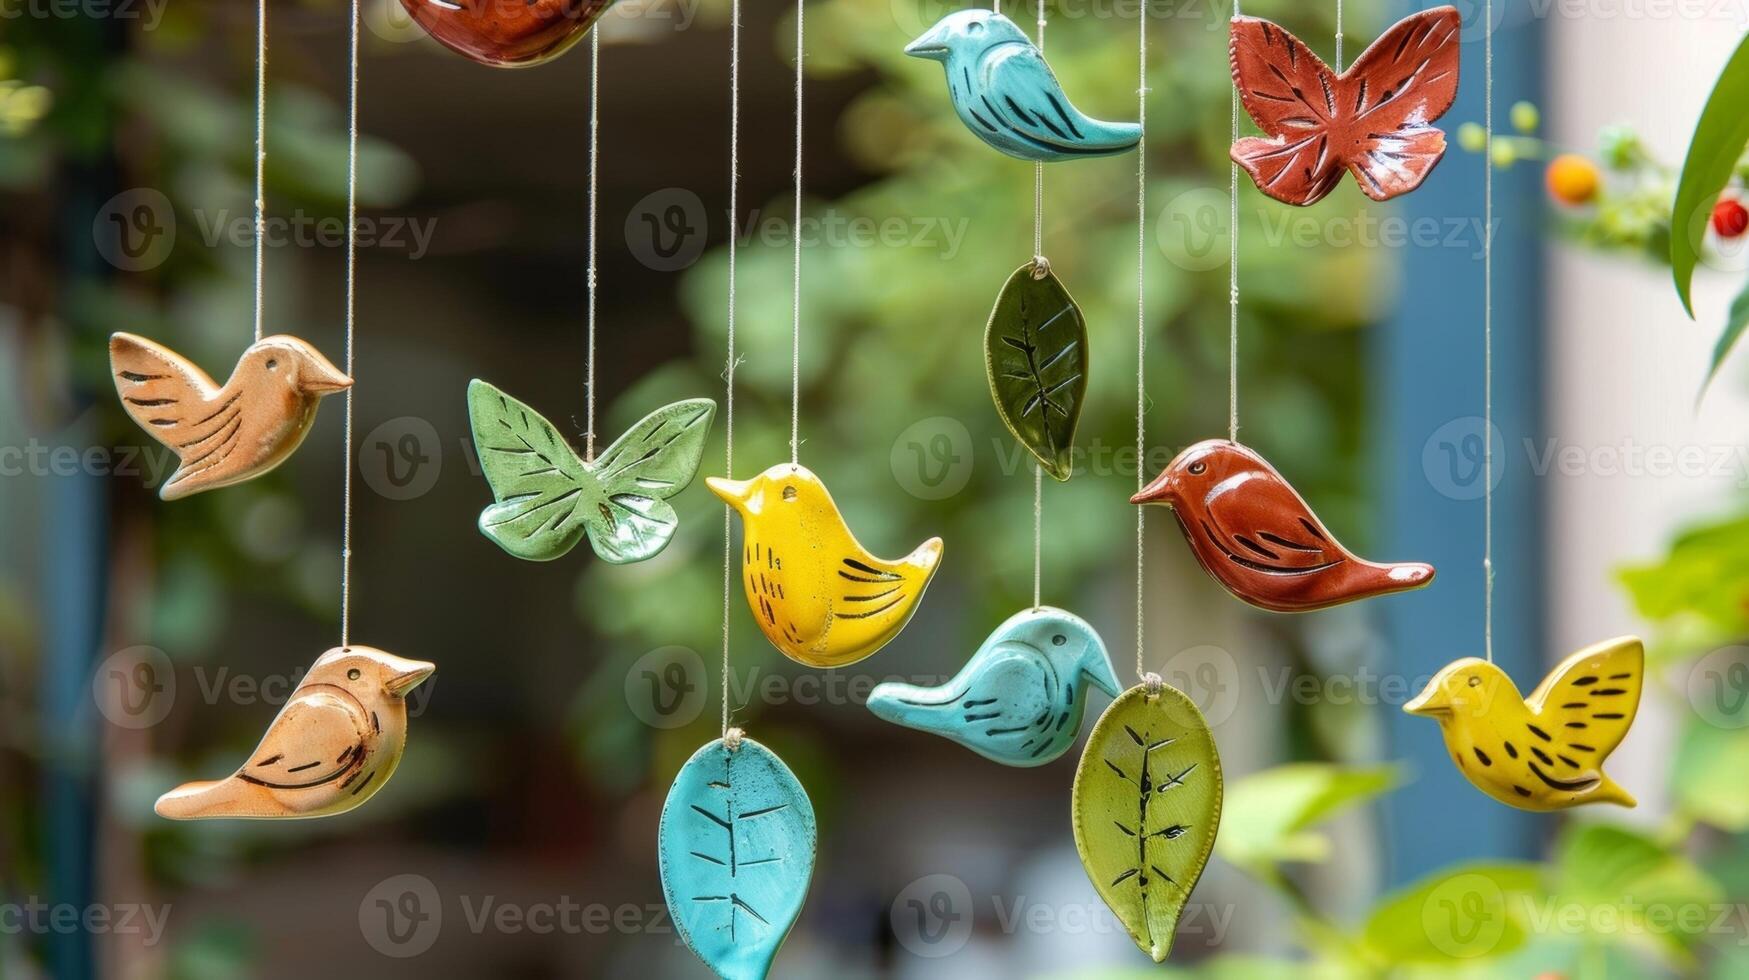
x=335, y=743
x=1545, y=752
x=817, y=594
x=223, y=435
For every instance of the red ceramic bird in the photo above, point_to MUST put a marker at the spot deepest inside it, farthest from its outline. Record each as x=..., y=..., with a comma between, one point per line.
x=1257, y=537
x=506, y=33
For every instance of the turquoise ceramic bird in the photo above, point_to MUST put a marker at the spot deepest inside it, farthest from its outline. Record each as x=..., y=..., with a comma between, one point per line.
x=1004, y=91
x=1019, y=699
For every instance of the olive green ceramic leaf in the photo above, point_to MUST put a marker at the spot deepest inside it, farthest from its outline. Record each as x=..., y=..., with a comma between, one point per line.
x=548, y=497
x=1147, y=806
x=1035, y=350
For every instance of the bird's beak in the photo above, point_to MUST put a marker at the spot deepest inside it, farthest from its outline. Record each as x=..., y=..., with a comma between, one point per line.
x=322, y=377
x=1161, y=491
x=929, y=46
x=1429, y=703
x=407, y=675
x=735, y=493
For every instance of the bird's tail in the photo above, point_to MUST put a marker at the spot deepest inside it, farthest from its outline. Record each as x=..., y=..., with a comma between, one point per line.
x=924, y=709
x=1611, y=792
x=204, y=800
x=926, y=557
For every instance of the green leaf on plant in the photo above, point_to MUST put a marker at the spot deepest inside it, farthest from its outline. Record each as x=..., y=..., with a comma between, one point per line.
x=1709, y=776
x=1734, y=325
x=1462, y=915
x=1269, y=815
x=1719, y=138
x=1616, y=885
x=1699, y=592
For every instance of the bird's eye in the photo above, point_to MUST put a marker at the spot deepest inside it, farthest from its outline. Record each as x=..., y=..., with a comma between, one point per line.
x=1198, y=469
x=1475, y=682
x=353, y=674
x=976, y=27
x=789, y=493
x=272, y=364
x=1059, y=640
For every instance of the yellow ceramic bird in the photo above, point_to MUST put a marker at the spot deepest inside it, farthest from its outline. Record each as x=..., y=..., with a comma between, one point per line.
x=335, y=743
x=1547, y=752
x=816, y=593
x=223, y=435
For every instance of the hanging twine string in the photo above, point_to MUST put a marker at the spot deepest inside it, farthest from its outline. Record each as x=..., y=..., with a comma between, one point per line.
x=1141, y=316
x=1338, y=36
x=729, y=365
x=260, y=158
x=1233, y=275
x=1488, y=332
x=795, y=355
x=1040, y=268
x=351, y=321
x=594, y=198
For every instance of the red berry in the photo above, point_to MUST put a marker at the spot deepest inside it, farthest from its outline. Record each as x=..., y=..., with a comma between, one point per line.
x=1730, y=218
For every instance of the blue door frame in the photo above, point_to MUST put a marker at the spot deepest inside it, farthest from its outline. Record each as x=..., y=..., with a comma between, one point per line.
x=1428, y=365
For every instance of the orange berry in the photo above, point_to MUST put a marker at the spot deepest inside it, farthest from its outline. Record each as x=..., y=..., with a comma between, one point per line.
x=1572, y=179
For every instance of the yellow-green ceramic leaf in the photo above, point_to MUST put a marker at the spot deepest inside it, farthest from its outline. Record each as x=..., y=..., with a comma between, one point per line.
x=1147, y=807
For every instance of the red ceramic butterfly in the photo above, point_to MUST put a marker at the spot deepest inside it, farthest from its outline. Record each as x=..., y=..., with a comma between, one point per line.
x=1373, y=119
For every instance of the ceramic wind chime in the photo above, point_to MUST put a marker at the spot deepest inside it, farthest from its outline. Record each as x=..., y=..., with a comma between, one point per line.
x=340, y=735
x=817, y=594
x=226, y=434
x=1246, y=525
x=548, y=496
x=1373, y=120
x=506, y=34
x=1545, y=752
x=737, y=839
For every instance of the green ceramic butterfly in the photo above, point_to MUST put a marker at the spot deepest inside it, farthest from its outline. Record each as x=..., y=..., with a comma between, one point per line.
x=548, y=497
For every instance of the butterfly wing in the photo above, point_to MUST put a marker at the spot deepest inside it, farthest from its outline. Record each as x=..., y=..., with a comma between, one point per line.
x=1587, y=703
x=1397, y=87
x=544, y=492
x=1293, y=97
x=652, y=462
x=1263, y=523
x=164, y=392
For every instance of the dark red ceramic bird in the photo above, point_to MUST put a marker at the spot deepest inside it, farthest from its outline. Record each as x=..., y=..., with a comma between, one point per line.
x=1256, y=536
x=506, y=33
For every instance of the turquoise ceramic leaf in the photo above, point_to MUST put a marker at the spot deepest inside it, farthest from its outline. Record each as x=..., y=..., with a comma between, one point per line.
x=736, y=847
x=1020, y=699
x=548, y=497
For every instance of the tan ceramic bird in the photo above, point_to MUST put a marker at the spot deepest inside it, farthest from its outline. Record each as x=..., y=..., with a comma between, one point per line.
x=223, y=435
x=1254, y=533
x=335, y=743
x=1545, y=752
x=817, y=594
